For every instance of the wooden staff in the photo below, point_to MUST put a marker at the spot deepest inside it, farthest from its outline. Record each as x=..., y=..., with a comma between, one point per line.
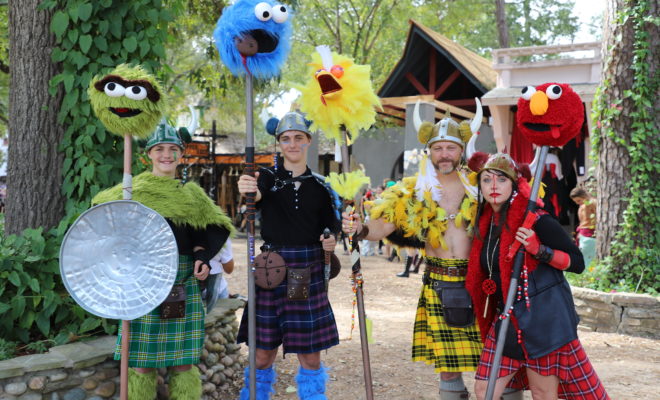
x=356, y=273
x=127, y=192
x=511, y=293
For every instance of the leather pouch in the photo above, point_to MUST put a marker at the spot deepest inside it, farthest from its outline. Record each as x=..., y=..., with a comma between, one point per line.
x=456, y=303
x=270, y=270
x=174, y=305
x=298, y=280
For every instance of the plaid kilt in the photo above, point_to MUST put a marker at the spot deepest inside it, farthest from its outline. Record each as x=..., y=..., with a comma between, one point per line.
x=449, y=349
x=301, y=326
x=577, y=377
x=157, y=343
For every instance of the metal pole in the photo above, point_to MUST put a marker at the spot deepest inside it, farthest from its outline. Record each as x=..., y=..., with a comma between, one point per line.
x=127, y=192
x=355, y=258
x=214, y=175
x=250, y=205
x=511, y=293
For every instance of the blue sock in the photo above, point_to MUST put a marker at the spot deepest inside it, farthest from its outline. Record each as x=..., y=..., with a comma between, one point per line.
x=453, y=385
x=311, y=383
x=265, y=381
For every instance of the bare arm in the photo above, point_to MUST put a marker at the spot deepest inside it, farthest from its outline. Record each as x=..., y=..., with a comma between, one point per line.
x=378, y=228
x=228, y=267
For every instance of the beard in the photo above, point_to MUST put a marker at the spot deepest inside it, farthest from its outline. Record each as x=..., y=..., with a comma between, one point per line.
x=446, y=170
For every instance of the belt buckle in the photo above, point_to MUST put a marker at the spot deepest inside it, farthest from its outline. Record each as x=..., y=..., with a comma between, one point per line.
x=452, y=271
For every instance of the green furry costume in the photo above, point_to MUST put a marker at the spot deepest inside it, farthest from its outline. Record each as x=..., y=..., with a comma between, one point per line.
x=128, y=101
x=181, y=204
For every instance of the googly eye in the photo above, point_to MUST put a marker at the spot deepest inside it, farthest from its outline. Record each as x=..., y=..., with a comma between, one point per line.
x=337, y=71
x=263, y=11
x=136, y=92
x=527, y=92
x=280, y=13
x=114, y=89
x=553, y=92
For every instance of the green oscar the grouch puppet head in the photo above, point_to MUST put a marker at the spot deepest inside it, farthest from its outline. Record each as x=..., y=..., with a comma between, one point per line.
x=128, y=101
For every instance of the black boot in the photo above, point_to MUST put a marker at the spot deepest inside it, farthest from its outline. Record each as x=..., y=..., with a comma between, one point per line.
x=417, y=262
x=392, y=255
x=406, y=271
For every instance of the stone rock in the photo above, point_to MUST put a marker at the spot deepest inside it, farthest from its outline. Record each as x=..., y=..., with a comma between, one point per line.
x=163, y=392
x=205, y=354
x=54, y=396
x=202, y=368
x=31, y=396
x=106, y=389
x=95, y=398
x=16, y=389
x=217, y=379
x=227, y=361
x=75, y=394
x=218, y=367
x=65, y=384
x=37, y=382
x=58, y=376
x=90, y=384
x=216, y=336
x=211, y=359
x=84, y=373
x=160, y=380
x=162, y=371
x=208, y=388
x=229, y=372
x=7, y=397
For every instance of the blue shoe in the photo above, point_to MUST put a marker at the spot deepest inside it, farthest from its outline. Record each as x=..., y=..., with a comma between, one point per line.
x=265, y=382
x=311, y=383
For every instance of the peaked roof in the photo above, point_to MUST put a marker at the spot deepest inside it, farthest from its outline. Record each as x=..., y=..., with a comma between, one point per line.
x=477, y=69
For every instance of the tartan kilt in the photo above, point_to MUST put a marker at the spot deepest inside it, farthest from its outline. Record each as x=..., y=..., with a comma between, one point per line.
x=300, y=326
x=449, y=349
x=577, y=377
x=156, y=342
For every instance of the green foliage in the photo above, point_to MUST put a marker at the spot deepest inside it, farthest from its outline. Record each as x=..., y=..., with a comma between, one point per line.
x=634, y=261
x=7, y=349
x=35, y=308
x=93, y=38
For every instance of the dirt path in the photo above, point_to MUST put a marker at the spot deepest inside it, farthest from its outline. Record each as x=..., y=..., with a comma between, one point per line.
x=628, y=366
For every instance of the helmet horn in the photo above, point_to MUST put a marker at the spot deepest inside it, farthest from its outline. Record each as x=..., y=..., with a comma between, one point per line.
x=193, y=121
x=476, y=121
x=417, y=121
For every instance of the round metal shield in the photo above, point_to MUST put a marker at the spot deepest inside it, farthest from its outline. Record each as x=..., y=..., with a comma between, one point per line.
x=119, y=260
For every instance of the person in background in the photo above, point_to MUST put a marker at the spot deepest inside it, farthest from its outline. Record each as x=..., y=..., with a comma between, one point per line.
x=584, y=233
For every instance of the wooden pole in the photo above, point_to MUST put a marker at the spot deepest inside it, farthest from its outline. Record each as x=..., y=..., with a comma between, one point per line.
x=127, y=191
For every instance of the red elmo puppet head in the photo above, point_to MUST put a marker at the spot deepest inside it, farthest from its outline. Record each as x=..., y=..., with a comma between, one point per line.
x=550, y=114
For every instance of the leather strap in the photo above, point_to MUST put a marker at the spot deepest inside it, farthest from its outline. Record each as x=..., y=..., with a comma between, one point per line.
x=449, y=271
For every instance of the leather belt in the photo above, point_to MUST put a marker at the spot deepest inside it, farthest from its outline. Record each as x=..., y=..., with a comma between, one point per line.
x=449, y=271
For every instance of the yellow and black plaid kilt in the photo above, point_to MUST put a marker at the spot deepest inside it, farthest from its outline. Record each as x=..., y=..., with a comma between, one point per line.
x=448, y=349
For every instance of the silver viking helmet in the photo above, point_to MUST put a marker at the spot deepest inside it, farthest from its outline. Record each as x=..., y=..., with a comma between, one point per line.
x=292, y=121
x=448, y=130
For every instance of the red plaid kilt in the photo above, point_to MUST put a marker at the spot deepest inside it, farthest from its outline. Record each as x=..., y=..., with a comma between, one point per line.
x=577, y=377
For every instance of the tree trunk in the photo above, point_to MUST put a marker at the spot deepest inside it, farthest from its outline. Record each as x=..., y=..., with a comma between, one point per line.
x=613, y=171
x=502, y=27
x=34, y=176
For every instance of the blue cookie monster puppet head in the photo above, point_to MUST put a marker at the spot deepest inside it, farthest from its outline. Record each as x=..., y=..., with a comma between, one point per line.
x=256, y=34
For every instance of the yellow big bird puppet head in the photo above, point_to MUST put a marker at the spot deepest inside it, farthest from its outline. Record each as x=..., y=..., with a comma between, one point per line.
x=338, y=93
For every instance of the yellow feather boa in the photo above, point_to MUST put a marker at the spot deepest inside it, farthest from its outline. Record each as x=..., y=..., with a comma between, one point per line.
x=423, y=220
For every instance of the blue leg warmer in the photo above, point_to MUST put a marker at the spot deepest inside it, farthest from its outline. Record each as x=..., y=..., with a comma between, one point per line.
x=311, y=383
x=265, y=382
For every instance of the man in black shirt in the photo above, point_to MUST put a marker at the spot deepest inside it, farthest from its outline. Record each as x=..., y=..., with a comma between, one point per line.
x=296, y=206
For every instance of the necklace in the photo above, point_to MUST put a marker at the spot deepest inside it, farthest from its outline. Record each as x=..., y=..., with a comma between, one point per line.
x=488, y=285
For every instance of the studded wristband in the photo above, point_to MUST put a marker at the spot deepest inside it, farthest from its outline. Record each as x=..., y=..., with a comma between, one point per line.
x=545, y=254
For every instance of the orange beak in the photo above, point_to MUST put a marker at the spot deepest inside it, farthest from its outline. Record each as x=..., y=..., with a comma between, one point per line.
x=538, y=104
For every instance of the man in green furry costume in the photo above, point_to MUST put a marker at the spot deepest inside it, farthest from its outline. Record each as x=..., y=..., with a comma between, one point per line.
x=200, y=228
x=128, y=101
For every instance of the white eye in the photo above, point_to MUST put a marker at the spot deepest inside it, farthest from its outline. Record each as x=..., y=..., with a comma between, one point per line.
x=136, y=92
x=280, y=13
x=113, y=89
x=553, y=92
x=263, y=11
x=527, y=92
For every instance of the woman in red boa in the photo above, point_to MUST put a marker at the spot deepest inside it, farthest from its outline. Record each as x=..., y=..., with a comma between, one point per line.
x=542, y=351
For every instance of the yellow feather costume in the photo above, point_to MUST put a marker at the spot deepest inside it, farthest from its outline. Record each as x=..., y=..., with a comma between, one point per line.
x=419, y=222
x=347, y=97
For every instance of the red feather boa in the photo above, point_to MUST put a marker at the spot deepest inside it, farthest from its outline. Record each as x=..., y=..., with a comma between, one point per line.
x=476, y=275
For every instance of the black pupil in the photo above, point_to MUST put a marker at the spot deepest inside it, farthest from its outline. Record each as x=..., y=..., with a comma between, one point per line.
x=136, y=90
x=283, y=9
x=111, y=86
x=266, y=14
x=524, y=90
x=556, y=90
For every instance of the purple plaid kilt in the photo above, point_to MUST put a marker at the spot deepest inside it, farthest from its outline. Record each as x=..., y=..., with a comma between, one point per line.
x=305, y=326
